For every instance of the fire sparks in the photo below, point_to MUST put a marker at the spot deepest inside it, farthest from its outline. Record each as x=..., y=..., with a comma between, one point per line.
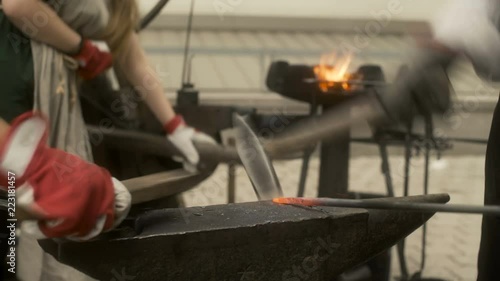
x=332, y=72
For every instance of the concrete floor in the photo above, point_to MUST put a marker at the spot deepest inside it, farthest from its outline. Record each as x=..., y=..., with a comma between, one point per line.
x=453, y=240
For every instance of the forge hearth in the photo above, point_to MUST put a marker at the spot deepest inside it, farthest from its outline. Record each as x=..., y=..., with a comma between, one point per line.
x=322, y=84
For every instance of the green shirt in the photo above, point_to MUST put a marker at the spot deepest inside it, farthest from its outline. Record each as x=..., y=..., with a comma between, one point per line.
x=16, y=71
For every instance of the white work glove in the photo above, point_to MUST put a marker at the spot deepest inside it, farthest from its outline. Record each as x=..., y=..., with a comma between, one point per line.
x=183, y=137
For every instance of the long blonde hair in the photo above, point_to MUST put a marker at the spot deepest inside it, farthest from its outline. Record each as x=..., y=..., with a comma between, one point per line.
x=123, y=21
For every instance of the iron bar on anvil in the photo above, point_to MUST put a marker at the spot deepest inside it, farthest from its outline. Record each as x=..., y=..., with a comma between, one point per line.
x=384, y=205
x=145, y=188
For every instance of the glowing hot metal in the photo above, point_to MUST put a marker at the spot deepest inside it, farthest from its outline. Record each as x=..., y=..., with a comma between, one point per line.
x=401, y=206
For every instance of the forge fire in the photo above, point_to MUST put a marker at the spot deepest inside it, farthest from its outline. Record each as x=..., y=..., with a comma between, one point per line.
x=332, y=72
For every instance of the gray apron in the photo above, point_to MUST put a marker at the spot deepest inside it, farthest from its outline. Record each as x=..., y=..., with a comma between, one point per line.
x=55, y=95
x=56, y=80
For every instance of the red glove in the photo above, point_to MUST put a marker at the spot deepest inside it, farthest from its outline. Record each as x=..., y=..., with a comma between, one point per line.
x=91, y=60
x=72, y=198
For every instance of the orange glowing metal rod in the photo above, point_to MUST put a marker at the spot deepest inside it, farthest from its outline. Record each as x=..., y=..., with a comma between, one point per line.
x=297, y=201
x=384, y=205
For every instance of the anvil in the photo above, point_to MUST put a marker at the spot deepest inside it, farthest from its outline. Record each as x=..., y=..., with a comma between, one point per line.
x=245, y=241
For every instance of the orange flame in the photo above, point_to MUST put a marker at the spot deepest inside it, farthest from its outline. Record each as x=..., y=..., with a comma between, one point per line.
x=332, y=71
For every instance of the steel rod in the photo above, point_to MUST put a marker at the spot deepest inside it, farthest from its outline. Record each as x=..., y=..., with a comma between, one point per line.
x=142, y=189
x=151, y=15
x=185, y=76
x=401, y=206
x=157, y=145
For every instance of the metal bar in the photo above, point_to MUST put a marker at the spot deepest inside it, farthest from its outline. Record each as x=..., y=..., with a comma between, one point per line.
x=262, y=75
x=408, y=149
x=303, y=172
x=334, y=160
x=158, y=145
x=274, y=52
x=470, y=140
x=160, y=185
x=307, y=155
x=386, y=170
x=227, y=90
x=401, y=246
x=428, y=136
x=143, y=189
x=151, y=15
x=231, y=183
x=231, y=177
x=185, y=76
x=400, y=206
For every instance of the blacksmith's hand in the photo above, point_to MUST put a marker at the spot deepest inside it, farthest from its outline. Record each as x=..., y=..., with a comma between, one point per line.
x=184, y=137
x=473, y=29
x=91, y=60
x=65, y=196
x=470, y=29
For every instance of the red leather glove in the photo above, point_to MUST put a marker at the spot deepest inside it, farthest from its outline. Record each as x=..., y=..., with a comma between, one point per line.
x=91, y=60
x=72, y=198
x=183, y=136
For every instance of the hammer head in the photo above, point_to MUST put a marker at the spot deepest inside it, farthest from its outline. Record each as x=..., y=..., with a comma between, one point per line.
x=259, y=168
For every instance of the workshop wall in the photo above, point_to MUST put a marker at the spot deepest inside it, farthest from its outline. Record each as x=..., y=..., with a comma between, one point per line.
x=409, y=9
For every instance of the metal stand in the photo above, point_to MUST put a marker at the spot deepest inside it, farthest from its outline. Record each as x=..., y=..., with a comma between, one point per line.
x=307, y=155
x=231, y=178
x=381, y=139
x=402, y=245
x=410, y=141
x=334, y=164
x=428, y=140
x=188, y=95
